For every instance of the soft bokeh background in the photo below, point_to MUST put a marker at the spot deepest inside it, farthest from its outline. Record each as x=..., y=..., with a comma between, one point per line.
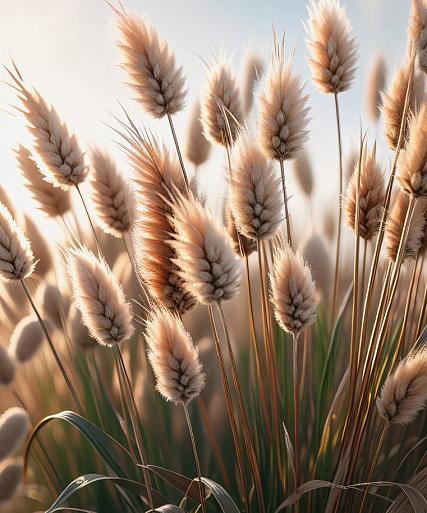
x=67, y=50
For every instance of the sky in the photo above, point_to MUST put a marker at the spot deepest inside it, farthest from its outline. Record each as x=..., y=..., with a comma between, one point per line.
x=67, y=50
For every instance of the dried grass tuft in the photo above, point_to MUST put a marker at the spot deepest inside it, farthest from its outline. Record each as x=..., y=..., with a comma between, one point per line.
x=14, y=427
x=174, y=358
x=198, y=147
x=26, y=339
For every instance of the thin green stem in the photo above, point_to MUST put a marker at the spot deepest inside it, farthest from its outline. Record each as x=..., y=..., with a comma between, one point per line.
x=337, y=251
x=54, y=352
x=178, y=150
x=296, y=414
x=98, y=247
x=285, y=201
x=196, y=458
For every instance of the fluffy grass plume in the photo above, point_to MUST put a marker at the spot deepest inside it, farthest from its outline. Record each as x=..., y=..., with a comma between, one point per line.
x=375, y=86
x=221, y=110
x=50, y=200
x=174, y=358
x=395, y=223
x=7, y=367
x=418, y=31
x=371, y=195
x=11, y=476
x=333, y=50
x=393, y=102
x=239, y=241
x=58, y=152
x=315, y=253
x=283, y=110
x=404, y=392
x=110, y=194
x=204, y=253
x=26, y=339
x=155, y=173
x=14, y=426
x=198, y=148
x=100, y=298
x=254, y=68
x=157, y=81
x=413, y=159
x=255, y=196
x=293, y=291
x=39, y=246
x=16, y=257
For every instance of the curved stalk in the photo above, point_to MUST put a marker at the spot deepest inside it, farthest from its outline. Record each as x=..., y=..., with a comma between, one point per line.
x=178, y=151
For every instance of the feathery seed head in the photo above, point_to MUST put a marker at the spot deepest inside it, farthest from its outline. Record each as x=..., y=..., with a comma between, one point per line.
x=58, y=153
x=239, y=241
x=371, y=195
x=204, y=254
x=11, y=476
x=283, y=111
x=14, y=426
x=156, y=173
x=154, y=75
x=174, y=358
x=79, y=333
x=100, y=298
x=418, y=31
x=293, y=292
x=413, y=158
x=254, y=68
x=333, y=50
x=7, y=367
x=110, y=194
x=221, y=109
x=255, y=197
x=376, y=83
x=16, y=257
x=393, y=102
x=303, y=174
x=51, y=200
x=315, y=253
x=26, y=339
x=198, y=147
x=404, y=392
x=39, y=246
x=395, y=223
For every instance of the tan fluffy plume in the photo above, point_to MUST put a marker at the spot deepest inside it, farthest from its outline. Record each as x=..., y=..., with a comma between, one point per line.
x=303, y=173
x=158, y=82
x=418, y=31
x=254, y=68
x=110, y=194
x=413, y=159
x=395, y=223
x=50, y=200
x=58, y=153
x=283, y=111
x=255, y=195
x=371, y=195
x=393, y=102
x=204, y=253
x=14, y=426
x=239, y=241
x=333, y=50
x=16, y=257
x=155, y=173
x=404, y=392
x=39, y=246
x=174, y=358
x=7, y=367
x=26, y=339
x=375, y=86
x=293, y=292
x=99, y=297
x=198, y=148
x=221, y=109
x=11, y=477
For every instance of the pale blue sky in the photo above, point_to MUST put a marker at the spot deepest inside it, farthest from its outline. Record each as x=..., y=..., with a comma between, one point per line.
x=66, y=48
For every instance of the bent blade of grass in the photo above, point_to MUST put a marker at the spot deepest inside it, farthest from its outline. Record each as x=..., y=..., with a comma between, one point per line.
x=414, y=496
x=88, y=479
x=110, y=450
